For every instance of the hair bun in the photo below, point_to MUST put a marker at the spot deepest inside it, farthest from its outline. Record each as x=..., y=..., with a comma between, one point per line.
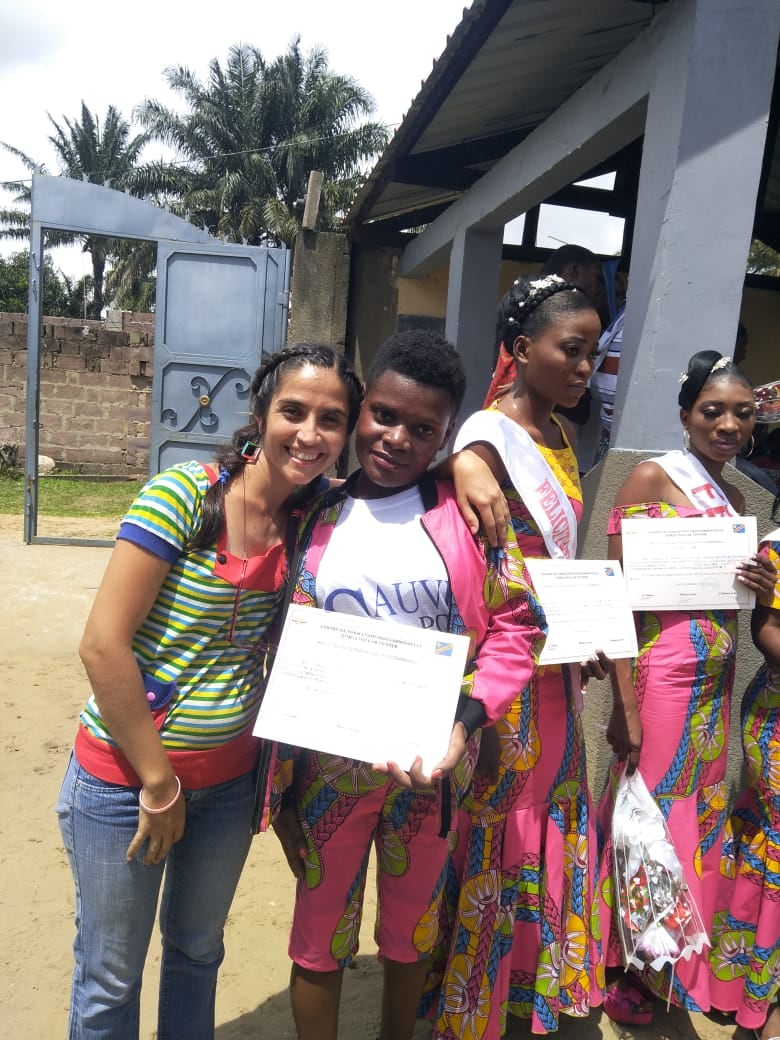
x=700, y=368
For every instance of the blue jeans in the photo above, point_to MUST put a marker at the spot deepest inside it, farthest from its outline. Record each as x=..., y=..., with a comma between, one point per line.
x=116, y=903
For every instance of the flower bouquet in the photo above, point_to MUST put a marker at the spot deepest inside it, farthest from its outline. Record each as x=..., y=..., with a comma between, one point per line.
x=657, y=919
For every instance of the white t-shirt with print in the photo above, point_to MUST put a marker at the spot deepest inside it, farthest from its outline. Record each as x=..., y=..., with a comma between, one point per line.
x=381, y=563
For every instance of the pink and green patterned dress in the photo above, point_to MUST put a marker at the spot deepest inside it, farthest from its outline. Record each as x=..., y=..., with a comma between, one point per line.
x=520, y=934
x=745, y=957
x=683, y=677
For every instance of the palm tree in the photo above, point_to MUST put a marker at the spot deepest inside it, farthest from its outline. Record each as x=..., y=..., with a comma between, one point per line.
x=84, y=151
x=252, y=134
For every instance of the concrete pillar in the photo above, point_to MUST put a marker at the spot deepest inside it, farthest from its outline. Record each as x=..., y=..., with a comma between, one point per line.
x=320, y=289
x=704, y=140
x=471, y=305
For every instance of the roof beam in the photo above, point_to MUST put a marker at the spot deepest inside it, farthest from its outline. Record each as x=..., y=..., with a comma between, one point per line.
x=399, y=222
x=434, y=173
x=454, y=166
x=478, y=23
x=598, y=200
x=603, y=116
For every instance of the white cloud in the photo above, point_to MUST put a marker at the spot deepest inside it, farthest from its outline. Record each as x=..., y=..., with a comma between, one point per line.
x=25, y=39
x=71, y=51
x=54, y=55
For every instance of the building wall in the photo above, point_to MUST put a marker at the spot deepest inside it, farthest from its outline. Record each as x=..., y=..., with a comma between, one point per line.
x=427, y=297
x=96, y=388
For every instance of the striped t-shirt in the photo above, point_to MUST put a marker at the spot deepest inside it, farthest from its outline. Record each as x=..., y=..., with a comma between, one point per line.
x=185, y=638
x=604, y=379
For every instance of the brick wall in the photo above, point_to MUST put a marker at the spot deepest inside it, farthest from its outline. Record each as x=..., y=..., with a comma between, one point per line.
x=96, y=388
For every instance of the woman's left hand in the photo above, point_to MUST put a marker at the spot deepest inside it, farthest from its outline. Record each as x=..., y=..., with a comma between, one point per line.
x=759, y=574
x=415, y=779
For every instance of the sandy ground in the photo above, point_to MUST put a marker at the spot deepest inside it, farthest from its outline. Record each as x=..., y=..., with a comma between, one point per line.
x=47, y=592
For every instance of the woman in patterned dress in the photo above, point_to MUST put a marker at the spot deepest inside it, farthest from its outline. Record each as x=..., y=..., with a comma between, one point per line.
x=671, y=707
x=518, y=934
x=745, y=958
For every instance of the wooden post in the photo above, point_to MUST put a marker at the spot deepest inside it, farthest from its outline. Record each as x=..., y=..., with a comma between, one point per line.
x=311, y=209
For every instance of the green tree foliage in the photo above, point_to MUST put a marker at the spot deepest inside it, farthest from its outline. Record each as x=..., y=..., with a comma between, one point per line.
x=763, y=260
x=250, y=136
x=85, y=150
x=61, y=297
x=131, y=283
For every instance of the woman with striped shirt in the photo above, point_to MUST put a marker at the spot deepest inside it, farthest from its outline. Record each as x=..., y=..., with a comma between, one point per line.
x=160, y=789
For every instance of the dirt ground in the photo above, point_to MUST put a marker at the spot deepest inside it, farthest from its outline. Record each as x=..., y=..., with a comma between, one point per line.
x=48, y=592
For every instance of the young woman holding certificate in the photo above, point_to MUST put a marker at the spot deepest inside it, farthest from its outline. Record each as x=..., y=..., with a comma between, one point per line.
x=391, y=545
x=671, y=708
x=746, y=931
x=520, y=919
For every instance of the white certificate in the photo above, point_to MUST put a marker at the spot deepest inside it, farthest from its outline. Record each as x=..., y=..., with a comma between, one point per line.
x=363, y=689
x=689, y=563
x=587, y=609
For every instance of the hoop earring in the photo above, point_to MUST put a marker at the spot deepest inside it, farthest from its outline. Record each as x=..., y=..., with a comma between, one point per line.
x=686, y=439
x=748, y=451
x=250, y=451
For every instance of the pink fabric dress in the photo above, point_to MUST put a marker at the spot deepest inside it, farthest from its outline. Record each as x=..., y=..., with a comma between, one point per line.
x=745, y=956
x=519, y=932
x=683, y=678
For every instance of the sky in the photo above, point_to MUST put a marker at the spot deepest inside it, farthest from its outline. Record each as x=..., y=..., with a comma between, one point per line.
x=54, y=55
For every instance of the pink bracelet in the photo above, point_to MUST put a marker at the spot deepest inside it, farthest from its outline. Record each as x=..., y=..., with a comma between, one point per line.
x=164, y=808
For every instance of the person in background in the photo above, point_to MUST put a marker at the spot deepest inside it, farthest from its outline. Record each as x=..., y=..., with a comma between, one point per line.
x=161, y=786
x=391, y=544
x=746, y=931
x=605, y=376
x=671, y=706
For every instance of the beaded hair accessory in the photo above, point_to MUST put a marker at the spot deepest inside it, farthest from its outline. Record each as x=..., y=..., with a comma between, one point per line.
x=720, y=363
x=538, y=290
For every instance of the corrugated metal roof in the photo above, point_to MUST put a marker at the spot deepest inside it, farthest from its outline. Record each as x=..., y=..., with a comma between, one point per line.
x=506, y=68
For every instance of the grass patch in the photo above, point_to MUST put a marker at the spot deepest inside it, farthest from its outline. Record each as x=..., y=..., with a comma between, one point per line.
x=67, y=496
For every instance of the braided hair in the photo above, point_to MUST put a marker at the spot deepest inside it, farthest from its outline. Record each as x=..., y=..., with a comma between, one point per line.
x=533, y=304
x=703, y=366
x=232, y=457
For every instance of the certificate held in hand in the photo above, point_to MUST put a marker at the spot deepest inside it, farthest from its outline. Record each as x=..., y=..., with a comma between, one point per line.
x=363, y=689
x=688, y=563
x=587, y=609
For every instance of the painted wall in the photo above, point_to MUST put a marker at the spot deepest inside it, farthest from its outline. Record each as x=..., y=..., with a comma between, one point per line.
x=760, y=314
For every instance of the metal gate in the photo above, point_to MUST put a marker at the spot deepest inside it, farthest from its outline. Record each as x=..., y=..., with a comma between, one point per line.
x=219, y=309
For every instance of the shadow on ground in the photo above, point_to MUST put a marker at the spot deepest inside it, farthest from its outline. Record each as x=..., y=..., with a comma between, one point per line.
x=359, y=1020
x=360, y=1005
